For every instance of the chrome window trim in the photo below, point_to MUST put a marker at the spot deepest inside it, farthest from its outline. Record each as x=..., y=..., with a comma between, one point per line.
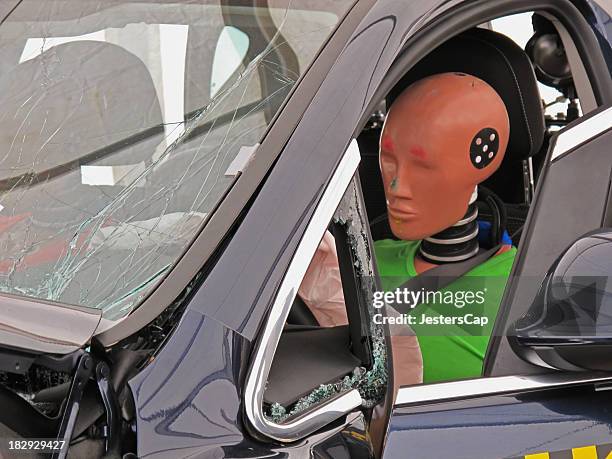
x=568, y=139
x=257, y=377
x=483, y=387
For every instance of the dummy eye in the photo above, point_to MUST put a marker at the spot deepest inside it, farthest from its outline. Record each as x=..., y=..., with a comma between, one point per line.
x=484, y=147
x=418, y=151
x=388, y=165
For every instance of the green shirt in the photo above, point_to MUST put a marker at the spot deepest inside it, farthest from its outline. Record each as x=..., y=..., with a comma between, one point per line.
x=450, y=351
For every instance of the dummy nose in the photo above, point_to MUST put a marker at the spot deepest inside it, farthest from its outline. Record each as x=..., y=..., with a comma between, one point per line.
x=399, y=185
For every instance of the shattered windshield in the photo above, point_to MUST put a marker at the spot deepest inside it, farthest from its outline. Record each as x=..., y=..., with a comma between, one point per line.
x=123, y=125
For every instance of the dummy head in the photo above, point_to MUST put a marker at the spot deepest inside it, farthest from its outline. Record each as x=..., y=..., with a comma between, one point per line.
x=443, y=135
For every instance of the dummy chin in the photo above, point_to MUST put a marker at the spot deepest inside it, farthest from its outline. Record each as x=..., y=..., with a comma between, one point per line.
x=443, y=136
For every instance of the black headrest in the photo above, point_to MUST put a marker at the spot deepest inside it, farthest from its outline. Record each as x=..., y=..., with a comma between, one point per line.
x=499, y=61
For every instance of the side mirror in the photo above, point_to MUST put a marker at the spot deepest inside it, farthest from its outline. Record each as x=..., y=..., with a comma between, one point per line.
x=569, y=324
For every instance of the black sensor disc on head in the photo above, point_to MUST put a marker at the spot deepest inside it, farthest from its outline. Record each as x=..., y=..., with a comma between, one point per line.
x=484, y=147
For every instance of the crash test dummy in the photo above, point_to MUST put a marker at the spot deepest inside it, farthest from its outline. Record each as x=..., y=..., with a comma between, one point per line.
x=444, y=135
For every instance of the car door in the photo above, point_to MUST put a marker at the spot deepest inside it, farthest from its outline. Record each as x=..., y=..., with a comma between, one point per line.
x=519, y=409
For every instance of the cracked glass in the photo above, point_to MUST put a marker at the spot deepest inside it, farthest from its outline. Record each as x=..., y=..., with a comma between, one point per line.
x=124, y=124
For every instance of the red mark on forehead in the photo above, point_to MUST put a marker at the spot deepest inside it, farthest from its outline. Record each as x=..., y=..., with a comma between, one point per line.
x=387, y=144
x=418, y=151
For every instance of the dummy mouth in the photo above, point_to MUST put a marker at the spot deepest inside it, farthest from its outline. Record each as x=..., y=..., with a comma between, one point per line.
x=400, y=212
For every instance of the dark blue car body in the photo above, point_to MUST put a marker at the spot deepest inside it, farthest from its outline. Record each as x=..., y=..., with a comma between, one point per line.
x=191, y=392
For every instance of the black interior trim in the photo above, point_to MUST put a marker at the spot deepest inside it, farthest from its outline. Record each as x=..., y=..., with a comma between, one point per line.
x=22, y=418
x=300, y=313
x=358, y=323
x=307, y=357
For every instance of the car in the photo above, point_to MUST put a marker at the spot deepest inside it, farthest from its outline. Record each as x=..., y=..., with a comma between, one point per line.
x=168, y=171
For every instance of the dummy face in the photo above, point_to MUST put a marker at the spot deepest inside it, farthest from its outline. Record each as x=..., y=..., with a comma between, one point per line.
x=443, y=135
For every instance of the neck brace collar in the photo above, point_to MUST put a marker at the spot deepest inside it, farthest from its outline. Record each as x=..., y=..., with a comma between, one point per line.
x=456, y=243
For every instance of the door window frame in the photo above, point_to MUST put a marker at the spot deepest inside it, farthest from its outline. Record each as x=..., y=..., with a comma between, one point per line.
x=343, y=403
